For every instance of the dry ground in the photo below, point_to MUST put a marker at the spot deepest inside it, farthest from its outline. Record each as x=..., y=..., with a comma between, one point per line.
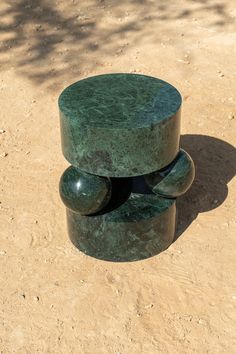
x=53, y=298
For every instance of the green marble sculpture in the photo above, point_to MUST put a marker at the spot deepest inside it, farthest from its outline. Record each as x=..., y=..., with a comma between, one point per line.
x=121, y=134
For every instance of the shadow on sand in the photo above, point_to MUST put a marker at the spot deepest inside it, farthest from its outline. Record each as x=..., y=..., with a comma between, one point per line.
x=215, y=162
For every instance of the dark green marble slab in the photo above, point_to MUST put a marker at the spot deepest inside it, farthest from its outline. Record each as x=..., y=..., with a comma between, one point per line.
x=120, y=125
x=140, y=228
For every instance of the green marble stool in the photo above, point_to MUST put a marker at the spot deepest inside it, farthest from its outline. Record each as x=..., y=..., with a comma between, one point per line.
x=120, y=132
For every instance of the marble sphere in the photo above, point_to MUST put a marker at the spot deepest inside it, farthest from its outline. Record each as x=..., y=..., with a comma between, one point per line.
x=175, y=179
x=84, y=193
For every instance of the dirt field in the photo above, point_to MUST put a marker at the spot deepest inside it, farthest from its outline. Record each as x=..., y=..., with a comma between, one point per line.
x=55, y=299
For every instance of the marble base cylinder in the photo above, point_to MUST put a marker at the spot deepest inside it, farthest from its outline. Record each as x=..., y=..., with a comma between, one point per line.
x=140, y=228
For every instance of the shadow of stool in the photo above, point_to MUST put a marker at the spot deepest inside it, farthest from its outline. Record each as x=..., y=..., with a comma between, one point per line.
x=215, y=163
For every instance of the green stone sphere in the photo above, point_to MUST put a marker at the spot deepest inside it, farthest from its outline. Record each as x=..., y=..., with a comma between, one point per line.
x=84, y=193
x=175, y=179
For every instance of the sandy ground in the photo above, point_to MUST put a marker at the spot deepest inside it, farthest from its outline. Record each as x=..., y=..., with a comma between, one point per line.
x=55, y=299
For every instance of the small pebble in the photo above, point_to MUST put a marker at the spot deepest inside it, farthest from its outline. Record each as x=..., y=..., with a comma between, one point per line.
x=149, y=306
x=2, y=253
x=2, y=131
x=231, y=116
x=183, y=61
x=38, y=27
x=4, y=154
x=135, y=71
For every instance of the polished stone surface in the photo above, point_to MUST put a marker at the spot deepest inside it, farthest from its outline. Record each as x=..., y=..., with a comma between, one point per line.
x=175, y=179
x=124, y=127
x=84, y=193
x=141, y=227
x=120, y=125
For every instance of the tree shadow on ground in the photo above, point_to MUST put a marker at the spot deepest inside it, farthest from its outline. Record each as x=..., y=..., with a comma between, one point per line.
x=215, y=162
x=47, y=39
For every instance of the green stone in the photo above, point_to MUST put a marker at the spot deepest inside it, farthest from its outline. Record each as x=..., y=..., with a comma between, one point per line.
x=175, y=179
x=121, y=134
x=141, y=227
x=84, y=193
x=120, y=125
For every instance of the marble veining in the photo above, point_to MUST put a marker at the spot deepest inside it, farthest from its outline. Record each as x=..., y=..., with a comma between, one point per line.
x=142, y=227
x=120, y=125
x=121, y=134
x=175, y=179
x=119, y=101
x=84, y=193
